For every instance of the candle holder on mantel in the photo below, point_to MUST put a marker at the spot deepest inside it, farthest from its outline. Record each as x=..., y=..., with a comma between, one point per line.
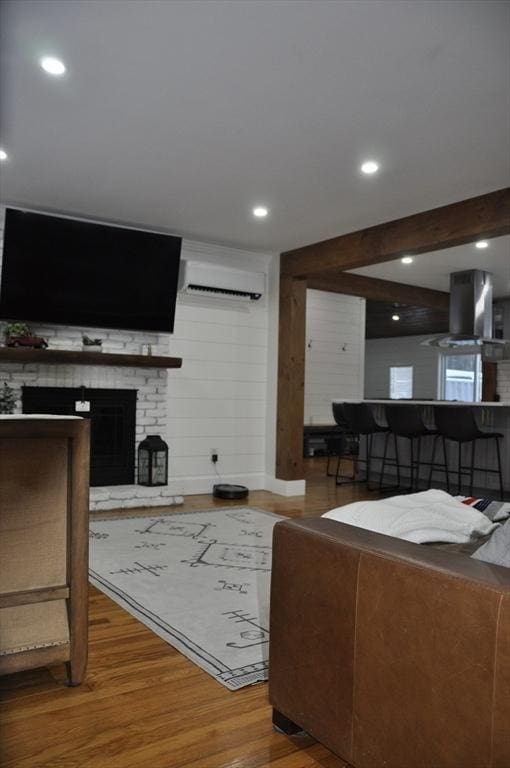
x=153, y=461
x=91, y=345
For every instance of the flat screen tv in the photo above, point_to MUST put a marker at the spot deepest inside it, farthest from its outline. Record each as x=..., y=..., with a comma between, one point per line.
x=70, y=272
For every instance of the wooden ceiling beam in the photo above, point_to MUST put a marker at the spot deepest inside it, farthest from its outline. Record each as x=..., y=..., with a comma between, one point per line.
x=379, y=290
x=451, y=225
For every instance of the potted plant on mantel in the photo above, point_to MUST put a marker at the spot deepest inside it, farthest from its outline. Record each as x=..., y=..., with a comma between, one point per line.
x=20, y=335
x=7, y=399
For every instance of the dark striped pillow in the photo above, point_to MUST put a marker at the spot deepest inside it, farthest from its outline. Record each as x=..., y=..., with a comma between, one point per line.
x=497, y=511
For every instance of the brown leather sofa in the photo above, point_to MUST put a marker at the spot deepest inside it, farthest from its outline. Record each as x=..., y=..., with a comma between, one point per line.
x=391, y=654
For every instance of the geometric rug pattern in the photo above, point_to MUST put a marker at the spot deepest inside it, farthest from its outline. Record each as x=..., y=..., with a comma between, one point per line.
x=200, y=580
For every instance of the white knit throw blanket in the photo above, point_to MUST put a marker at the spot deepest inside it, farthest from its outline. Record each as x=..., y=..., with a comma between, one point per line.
x=429, y=516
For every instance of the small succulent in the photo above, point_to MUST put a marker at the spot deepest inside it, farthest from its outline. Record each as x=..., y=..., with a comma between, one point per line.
x=7, y=399
x=17, y=329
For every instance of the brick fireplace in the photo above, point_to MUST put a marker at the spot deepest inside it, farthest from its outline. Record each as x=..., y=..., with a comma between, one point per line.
x=148, y=384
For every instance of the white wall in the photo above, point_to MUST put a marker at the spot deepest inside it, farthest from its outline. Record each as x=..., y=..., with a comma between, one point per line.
x=220, y=399
x=335, y=342
x=381, y=354
x=503, y=385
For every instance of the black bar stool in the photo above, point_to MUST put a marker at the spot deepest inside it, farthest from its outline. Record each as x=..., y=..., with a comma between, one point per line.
x=341, y=445
x=457, y=424
x=335, y=449
x=360, y=421
x=406, y=421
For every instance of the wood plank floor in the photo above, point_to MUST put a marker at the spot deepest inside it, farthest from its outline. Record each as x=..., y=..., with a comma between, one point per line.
x=144, y=705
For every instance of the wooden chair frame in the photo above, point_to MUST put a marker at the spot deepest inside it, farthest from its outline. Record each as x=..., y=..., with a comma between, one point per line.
x=75, y=590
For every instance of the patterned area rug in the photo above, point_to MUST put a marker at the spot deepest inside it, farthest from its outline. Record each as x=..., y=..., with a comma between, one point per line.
x=199, y=580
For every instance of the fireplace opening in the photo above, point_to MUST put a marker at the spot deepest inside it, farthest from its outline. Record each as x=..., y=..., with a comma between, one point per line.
x=112, y=417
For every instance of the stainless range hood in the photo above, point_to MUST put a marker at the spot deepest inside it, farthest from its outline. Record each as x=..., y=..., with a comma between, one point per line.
x=470, y=311
x=471, y=304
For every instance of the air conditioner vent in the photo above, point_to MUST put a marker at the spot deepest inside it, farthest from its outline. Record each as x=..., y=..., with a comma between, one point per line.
x=223, y=292
x=202, y=279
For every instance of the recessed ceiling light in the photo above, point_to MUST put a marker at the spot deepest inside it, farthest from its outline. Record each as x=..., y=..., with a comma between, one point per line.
x=3, y=154
x=395, y=317
x=407, y=260
x=482, y=244
x=260, y=212
x=52, y=66
x=369, y=167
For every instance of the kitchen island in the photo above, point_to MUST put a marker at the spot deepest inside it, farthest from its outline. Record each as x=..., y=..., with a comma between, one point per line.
x=490, y=417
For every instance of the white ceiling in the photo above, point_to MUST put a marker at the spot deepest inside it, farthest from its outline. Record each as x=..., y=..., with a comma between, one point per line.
x=183, y=115
x=432, y=270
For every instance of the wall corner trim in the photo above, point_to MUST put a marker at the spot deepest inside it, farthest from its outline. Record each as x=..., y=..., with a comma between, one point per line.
x=285, y=487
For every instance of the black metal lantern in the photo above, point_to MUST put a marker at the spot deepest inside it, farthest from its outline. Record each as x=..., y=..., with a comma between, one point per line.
x=153, y=461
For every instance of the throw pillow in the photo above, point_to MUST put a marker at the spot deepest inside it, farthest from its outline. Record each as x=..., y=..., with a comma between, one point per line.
x=497, y=549
x=496, y=511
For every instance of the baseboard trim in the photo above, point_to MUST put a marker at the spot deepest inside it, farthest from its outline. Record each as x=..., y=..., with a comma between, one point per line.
x=285, y=487
x=203, y=484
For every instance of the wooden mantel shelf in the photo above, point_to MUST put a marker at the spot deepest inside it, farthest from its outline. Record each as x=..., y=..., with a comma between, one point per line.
x=76, y=357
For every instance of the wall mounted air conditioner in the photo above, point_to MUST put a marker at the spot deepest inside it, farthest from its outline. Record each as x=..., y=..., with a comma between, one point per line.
x=202, y=279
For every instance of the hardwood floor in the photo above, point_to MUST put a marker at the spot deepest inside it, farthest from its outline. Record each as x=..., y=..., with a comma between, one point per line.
x=144, y=704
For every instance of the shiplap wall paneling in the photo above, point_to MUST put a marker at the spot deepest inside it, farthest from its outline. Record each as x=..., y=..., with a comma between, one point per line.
x=218, y=401
x=335, y=337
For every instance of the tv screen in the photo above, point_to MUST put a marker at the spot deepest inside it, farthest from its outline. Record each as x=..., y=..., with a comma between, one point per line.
x=70, y=272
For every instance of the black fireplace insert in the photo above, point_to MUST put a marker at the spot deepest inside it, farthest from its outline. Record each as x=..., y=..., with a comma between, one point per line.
x=112, y=429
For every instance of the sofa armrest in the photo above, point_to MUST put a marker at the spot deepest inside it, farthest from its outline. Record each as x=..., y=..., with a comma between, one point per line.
x=388, y=652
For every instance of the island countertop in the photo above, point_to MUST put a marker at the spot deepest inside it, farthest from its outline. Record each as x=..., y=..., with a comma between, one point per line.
x=483, y=404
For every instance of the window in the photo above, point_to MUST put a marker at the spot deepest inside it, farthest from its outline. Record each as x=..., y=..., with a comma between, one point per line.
x=401, y=381
x=461, y=377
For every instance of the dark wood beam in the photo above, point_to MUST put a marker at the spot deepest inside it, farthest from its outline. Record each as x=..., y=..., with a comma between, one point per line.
x=484, y=216
x=481, y=217
x=291, y=379
x=489, y=381
x=379, y=290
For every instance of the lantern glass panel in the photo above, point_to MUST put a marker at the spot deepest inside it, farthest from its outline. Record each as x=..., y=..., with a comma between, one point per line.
x=143, y=466
x=159, y=474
